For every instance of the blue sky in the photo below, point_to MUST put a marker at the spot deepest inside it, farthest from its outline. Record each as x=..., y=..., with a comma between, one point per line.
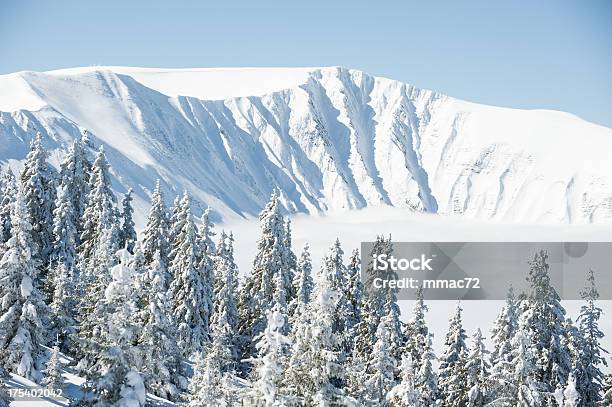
x=553, y=54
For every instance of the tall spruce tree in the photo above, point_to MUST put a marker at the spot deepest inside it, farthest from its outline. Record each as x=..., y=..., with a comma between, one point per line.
x=303, y=284
x=162, y=368
x=590, y=358
x=155, y=234
x=74, y=179
x=7, y=196
x=426, y=378
x=417, y=332
x=191, y=287
x=127, y=233
x=258, y=291
x=452, y=371
x=380, y=373
x=477, y=369
x=22, y=310
x=38, y=183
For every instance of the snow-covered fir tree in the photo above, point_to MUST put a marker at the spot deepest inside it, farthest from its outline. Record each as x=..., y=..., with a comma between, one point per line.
x=75, y=171
x=354, y=294
x=113, y=379
x=161, y=358
x=191, y=287
x=100, y=212
x=53, y=378
x=270, y=364
x=303, y=284
x=155, y=234
x=65, y=232
x=590, y=356
x=258, y=290
x=380, y=373
x=127, y=233
x=7, y=196
x=38, y=183
x=224, y=321
x=545, y=325
x=416, y=331
x=175, y=225
x=477, y=369
x=452, y=371
x=523, y=388
x=205, y=385
x=63, y=303
x=206, y=234
x=290, y=260
x=92, y=312
x=426, y=378
x=22, y=310
x=405, y=393
x=315, y=371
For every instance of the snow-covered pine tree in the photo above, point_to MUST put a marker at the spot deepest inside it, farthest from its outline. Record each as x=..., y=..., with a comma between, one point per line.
x=191, y=287
x=224, y=321
x=522, y=389
x=590, y=358
x=303, y=285
x=155, y=233
x=175, y=225
x=545, y=325
x=477, y=369
x=416, y=331
x=63, y=303
x=426, y=378
x=53, y=378
x=65, y=232
x=380, y=372
x=127, y=233
x=161, y=357
x=452, y=370
x=113, y=379
x=270, y=364
x=206, y=234
x=315, y=371
x=405, y=393
x=7, y=196
x=354, y=294
x=335, y=272
x=38, y=183
x=74, y=179
x=503, y=331
x=258, y=290
x=205, y=387
x=22, y=309
x=100, y=212
x=92, y=312
x=290, y=260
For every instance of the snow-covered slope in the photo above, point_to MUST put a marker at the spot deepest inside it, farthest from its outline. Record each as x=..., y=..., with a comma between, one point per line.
x=330, y=138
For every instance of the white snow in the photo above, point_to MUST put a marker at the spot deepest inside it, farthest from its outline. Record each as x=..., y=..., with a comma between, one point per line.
x=331, y=138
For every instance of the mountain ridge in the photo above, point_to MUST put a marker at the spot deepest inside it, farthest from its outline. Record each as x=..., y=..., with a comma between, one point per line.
x=334, y=139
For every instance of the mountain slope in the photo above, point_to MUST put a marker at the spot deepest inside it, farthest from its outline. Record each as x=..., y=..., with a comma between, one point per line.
x=329, y=138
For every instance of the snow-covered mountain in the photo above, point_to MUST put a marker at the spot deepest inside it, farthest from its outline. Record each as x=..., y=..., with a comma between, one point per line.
x=330, y=138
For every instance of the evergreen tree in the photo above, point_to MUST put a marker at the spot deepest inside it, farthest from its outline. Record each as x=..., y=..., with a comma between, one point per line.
x=74, y=179
x=65, y=232
x=127, y=234
x=524, y=388
x=417, y=332
x=477, y=369
x=63, y=324
x=290, y=260
x=161, y=364
x=259, y=289
x=224, y=321
x=545, y=323
x=5, y=398
x=205, y=387
x=113, y=380
x=315, y=371
x=607, y=391
x=589, y=377
x=426, y=379
x=303, y=284
x=175, y=225
x=38, y=182
x=379, y=376
x=503, y=331
x=354, y=295
x=452, y=371
x=206, y=234
x=53, y=378
x=405, y=393
x=100, y=212
x=7, y=196
x=21, y=306
x=155, y=233
x=191, y=288
x=269, y=366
